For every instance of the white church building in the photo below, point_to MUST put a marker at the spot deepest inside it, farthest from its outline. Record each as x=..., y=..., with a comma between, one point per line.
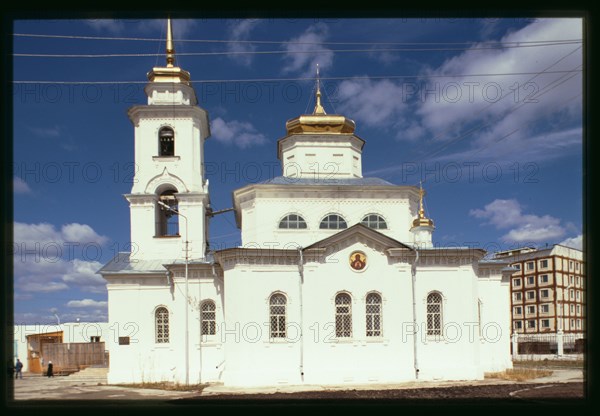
x=337, y=280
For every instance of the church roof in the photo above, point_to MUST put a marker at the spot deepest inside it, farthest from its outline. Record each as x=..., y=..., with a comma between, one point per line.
x=365, y=232
x=285, y=180
x=122, y=264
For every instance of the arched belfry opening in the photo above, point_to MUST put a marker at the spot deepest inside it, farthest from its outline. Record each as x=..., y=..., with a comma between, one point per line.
x=167, y=219
x=166, y=141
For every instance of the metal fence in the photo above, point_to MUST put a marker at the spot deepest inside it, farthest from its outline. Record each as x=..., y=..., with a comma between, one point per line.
x=549, y=344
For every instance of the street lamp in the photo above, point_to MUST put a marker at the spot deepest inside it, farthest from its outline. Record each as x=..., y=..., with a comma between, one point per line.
x=187, y=335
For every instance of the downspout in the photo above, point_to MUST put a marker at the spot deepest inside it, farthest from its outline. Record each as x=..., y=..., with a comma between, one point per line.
x=300, y=285
x=414, y=311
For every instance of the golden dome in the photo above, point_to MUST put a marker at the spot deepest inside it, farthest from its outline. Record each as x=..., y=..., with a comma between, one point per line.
x=422, y=220
x=319, y=121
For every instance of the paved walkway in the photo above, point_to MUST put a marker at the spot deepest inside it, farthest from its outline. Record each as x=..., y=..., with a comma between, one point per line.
x=35, y=387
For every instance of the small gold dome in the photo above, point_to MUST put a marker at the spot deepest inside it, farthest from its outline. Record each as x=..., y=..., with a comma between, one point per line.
x=422, y=220
x=170, y=73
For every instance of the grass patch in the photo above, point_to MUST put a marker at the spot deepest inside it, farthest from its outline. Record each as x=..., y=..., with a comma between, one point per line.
x=549, y=363
x=165, y=385
x=519, y=374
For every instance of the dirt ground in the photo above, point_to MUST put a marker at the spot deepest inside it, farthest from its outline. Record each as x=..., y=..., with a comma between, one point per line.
x=518, y=391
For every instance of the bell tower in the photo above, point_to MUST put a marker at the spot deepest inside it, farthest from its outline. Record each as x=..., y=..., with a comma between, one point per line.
x=169, y=166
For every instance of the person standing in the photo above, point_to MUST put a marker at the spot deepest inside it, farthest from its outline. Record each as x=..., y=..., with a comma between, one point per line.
x=18, y=369
x=50, y=372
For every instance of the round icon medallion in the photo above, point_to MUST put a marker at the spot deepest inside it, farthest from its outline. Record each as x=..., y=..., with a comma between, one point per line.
x=358, y=260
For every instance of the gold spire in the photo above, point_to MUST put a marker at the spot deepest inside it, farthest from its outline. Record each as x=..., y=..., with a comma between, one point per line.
x=422, y=220
x=169, y=73
x=319, y=110
x=170, y=47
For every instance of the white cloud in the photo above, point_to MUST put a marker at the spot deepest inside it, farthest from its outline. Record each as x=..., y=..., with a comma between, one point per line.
x=242, y=134
x=575, y=242
x=45, y=260
x=109, y=25
x=20, y=186
x=301, y=56
x=87, y=303
x=375, y=103
x=462, y=103
x=181, y=27
x=508, y=213
x=81, y=233
x=46, y=132
x=239, y=30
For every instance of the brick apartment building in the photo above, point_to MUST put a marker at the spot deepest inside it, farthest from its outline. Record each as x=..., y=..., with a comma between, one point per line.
x=547, y=290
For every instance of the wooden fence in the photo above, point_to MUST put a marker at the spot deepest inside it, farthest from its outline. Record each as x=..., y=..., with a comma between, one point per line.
x=74, y=355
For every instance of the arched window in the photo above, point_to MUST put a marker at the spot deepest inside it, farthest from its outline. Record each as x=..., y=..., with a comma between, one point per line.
x=343, y=316
x=373, y=312
x=292, y=221
x=208, y=318
x=434, y=314
x=167, y=223
x=333, y=222
x=166, y=142
x=277, y=304
x=161, y=325
x=374, y=221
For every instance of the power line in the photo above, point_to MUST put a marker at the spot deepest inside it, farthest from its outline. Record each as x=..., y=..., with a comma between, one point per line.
x=284, y=42
x=305, y=78
x=316, y=51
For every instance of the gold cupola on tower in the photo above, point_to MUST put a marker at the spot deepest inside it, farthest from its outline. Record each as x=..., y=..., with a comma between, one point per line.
x=169, y=73
x=422, y=220
x=319, y=122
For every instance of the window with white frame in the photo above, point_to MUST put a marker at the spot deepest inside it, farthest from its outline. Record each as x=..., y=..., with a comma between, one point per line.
x=544, y=264
x=292, y=221
x=277, y=306
x=208, y=318
x=373, y=315
x=545, y=308
x=343, y=316
x=517, y=266
x=572, y=294
x=531, y=309
x=577, y=293
x=544, y=278
x=434, y=314
x=518, y=310
x=530, y=265
x=333, y=222
x=545, y=323
x=578, y=309
x=544, y=293
x=571, y=280
x=518, y=324
x=374, y=221
x=518, y=296
x=531, y=294
x=517, y=282
x=579, y=323
x=531, y=323
x=577, y=266
x=572, y=309
x=530, y=280
x=570, y=265
x=572, y=323
x=161, y=325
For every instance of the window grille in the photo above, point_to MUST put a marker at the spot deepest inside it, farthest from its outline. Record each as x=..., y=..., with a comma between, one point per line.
x=292, y=221
x=161, y=319
x=343, y=316
x=434, y=314
x=208, y=318
x=373, y=313
x=277, y=305
x=333, y=222
x=374, y=221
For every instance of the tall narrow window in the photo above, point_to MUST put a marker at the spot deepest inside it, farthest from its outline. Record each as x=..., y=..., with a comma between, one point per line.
x=333, y=222
x=166, y=142
x=161, y=325
x=292, y=221
x=374, y=221
x=373, y=315
x=208, y=318
x=277, y=305
x=168, y=220
x=343, y=316
x=434, y=314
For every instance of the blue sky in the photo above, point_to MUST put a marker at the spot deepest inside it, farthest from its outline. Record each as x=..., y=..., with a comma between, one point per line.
x=486, y=112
